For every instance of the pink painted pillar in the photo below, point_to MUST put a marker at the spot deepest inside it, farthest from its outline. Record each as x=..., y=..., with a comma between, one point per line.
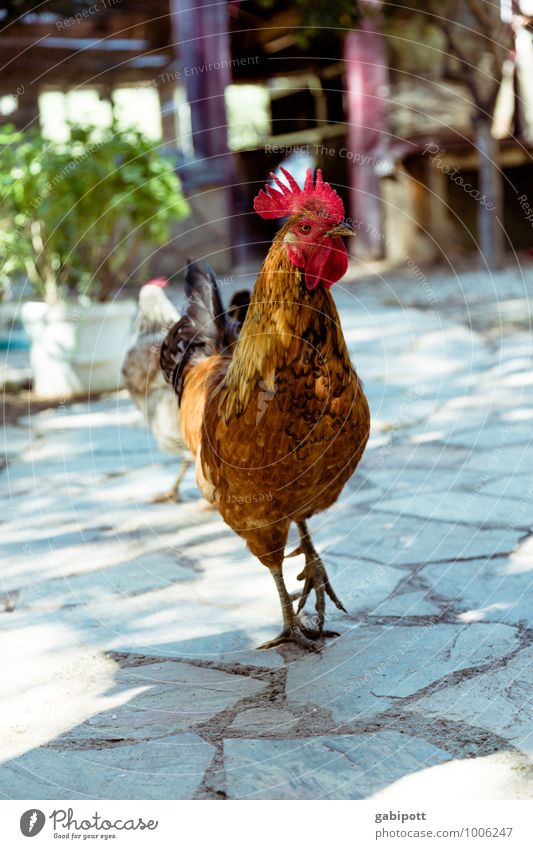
x=367, y=93
x=202, y=45
x=202, y=31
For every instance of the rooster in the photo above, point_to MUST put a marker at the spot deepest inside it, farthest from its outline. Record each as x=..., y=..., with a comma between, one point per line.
x=277, y=422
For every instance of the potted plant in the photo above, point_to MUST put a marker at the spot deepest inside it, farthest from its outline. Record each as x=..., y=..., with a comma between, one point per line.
x=78, y=219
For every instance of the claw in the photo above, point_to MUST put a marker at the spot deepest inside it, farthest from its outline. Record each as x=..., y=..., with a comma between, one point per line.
x=335, y=599
x=302, y=636
x=297, y=635
x=315, y=576
x=305, y=592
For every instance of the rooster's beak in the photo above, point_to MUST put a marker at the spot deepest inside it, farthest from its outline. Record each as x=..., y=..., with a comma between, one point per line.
x=343, y=229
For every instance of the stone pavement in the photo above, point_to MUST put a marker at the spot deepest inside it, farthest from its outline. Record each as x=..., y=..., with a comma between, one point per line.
x=129, y=629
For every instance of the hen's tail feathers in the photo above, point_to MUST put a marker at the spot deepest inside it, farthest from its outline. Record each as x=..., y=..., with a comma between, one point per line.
x=205, y=328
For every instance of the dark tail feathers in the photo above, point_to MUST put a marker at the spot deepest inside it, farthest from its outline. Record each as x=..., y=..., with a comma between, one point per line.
x=206, y=328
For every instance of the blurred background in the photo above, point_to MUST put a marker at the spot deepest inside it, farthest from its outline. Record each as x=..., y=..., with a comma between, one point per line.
x=135, y=134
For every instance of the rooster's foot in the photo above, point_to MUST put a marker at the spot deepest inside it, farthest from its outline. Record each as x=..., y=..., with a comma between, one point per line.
x=294, y=631
x=316, y=578
x=302, y=636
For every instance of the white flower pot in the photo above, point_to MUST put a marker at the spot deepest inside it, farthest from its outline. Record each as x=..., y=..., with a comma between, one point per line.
x=77, y=349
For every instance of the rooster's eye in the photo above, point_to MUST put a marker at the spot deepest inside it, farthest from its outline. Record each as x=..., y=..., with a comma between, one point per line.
x=305, y=228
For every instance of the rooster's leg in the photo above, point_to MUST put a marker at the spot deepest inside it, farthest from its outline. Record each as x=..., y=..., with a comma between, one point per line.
x=315, y=576
x=293, y=630
x=174, y=492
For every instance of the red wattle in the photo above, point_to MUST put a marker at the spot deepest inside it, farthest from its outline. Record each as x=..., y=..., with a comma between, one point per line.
x=326, y=264
x=337, y=263
x=314, y=267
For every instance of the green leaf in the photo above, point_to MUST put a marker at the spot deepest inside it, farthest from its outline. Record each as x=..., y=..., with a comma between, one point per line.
x=84, y=198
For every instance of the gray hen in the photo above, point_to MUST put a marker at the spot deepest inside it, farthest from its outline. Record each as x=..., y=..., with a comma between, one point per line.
x=144, y=379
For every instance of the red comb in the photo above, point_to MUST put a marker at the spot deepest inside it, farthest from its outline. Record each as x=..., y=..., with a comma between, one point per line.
x=158, y=281
x=319, y=198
